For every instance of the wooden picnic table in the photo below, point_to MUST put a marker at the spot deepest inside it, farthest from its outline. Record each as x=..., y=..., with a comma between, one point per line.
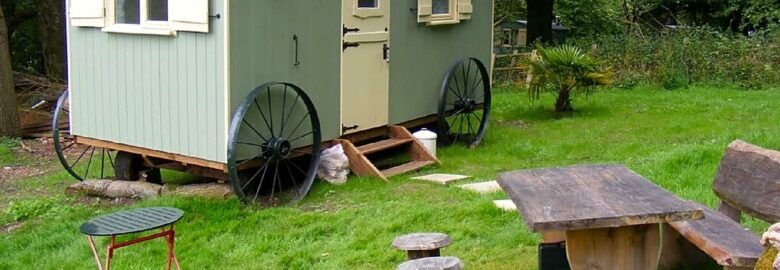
x=609, y=216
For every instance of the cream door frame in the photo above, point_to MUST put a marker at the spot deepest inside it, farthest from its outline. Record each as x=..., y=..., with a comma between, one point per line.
x=365, y=73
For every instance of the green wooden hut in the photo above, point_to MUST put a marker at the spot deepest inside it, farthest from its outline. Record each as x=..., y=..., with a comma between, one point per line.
x=251, y=90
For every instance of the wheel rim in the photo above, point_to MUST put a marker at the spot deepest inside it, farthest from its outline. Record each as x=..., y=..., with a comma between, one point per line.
x=79, y=160
x=464, y=103
x=274, y=145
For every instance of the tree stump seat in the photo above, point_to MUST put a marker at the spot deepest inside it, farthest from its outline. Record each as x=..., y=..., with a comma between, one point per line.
x=432, y=263
x=422, y=245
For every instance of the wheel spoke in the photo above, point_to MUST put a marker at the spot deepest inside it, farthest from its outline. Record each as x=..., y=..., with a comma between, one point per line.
x=111, y=161
x=299, y=124
x=300, y=137
x=466, y=78
x=455, y=114
x=276, y=177
x=474, y=88
x=259, y=185
x=252, y=144
x=253, y=129
x=457, y=83
x=289, y=115
x=479, y=119
x=102, y=162
x=79, y=158
x=270, y=112
x=292, y=176
x=455, y=92
x=89, y=163
x=264, y=119
x=248, y=160
x=68, y=146
x=265, y=165
x=468, y=119
x=284, y=108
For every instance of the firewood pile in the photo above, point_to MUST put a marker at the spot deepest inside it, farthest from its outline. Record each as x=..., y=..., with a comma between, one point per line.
x=37, y=97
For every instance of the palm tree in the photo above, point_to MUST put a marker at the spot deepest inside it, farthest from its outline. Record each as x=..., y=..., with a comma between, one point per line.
x=565, y=70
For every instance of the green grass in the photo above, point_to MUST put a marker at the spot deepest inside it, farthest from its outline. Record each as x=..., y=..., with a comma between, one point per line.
x=674, y=138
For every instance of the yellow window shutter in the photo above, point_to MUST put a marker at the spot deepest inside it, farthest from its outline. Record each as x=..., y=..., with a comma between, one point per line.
x=465, y=9
x=189, y=15
x=424, y=10
x=88, y=13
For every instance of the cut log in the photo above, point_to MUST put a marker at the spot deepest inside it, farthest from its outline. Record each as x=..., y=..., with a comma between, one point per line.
x=115, y=189
x=207, y=190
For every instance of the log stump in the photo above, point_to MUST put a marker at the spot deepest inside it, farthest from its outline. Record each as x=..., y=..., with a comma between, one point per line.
x=422, y=245
x=433, y=263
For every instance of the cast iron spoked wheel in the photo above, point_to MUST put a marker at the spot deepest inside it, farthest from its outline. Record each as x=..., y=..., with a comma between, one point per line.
x=274, y=145
x=464, y=103
x=80, y=161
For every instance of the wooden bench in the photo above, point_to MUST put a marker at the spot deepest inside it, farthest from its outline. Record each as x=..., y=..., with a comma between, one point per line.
x=747, y=181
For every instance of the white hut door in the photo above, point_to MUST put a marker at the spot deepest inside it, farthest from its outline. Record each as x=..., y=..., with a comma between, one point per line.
x=365, y=73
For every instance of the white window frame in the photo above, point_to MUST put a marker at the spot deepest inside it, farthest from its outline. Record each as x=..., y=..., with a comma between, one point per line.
x=145, y=26
x=454, y=16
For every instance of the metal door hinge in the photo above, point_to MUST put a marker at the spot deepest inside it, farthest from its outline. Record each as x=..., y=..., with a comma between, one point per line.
x=344, y=128
x=349, y=45
x=346, y=30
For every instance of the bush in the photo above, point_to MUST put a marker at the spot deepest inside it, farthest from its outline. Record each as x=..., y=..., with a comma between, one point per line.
x=28, y=209
x=676, y=58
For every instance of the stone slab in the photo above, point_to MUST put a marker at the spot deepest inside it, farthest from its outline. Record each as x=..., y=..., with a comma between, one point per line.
x=444, y=179
x=483, y=187
x=506, y=205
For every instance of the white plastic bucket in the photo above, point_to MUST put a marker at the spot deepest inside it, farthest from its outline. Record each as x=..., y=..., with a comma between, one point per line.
x=428, y=139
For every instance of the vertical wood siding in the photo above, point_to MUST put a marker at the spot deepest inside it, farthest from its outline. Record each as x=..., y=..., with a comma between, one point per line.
x=420, y=55
x=262, y=50
x=161, y=93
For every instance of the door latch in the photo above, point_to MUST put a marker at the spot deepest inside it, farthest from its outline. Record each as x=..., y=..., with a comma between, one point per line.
x=386, y=52
x=344, y=128
x=345, y=30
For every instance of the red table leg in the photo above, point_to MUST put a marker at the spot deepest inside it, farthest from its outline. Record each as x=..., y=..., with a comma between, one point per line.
x=94, y=251
x=169, y=236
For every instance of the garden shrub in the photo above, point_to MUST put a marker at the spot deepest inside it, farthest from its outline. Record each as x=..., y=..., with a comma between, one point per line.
x=676, y=58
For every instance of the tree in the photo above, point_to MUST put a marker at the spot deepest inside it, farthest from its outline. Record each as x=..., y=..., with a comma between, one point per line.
x=565, y=70
x=9, y=114
x=540, y=18
x=52, y=35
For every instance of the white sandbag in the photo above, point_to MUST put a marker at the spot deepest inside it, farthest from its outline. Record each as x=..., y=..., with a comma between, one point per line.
x=334, y=165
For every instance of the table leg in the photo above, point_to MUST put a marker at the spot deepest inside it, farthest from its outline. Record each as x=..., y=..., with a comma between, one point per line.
x=171, y=254
x=629, y=247
x=94, y=251
x=110, y=252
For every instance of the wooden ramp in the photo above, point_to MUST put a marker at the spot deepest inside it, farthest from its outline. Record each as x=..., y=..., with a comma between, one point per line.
x=397, y=138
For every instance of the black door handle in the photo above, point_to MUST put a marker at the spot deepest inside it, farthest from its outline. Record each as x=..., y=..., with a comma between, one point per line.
x=386, y=52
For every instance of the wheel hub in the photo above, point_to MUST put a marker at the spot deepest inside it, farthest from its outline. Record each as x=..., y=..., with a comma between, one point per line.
x=277, y=148
x=466, y=105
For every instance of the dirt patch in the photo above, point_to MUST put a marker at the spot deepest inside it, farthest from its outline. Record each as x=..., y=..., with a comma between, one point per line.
x=512, y=123
x=10, y=227
x=103, y=202
x=35, y=157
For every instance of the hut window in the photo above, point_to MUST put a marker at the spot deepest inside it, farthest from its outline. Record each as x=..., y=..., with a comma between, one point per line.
x=367, y=4
x=158, y=10
x=441, y=7
x=128, y=11
x=440, y=12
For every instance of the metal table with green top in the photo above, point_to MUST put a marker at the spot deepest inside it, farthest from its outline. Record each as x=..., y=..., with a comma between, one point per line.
x=133, y=221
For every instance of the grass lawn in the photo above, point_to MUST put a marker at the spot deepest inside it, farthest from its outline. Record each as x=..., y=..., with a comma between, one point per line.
x=673, y=138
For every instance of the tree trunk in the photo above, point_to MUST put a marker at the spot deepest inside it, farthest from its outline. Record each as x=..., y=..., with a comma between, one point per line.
x=563, y=103
x=9, y=112
x=52, y=22
x=540, y=18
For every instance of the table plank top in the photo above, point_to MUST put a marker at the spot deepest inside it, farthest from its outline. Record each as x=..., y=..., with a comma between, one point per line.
x=132, y=221
x=590, y=197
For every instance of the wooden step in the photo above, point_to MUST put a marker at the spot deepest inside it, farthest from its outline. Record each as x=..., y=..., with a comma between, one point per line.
x=411, y=166
x=382, y=145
